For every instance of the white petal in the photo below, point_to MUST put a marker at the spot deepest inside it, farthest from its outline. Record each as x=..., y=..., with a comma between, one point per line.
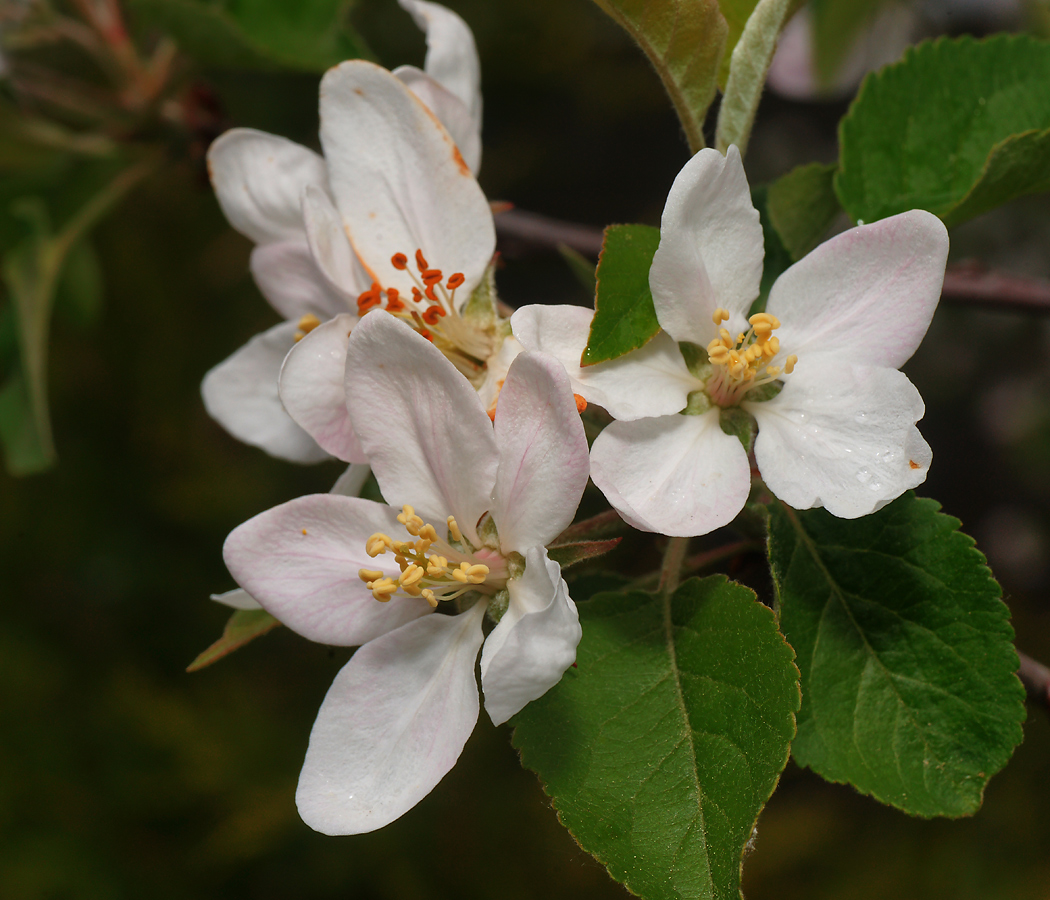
x=543, y=462
x=331, y=249
x=398, y=179
x=349, y=484
x=843, y=438
x=420, y=423
x=452, y=57
x=675, y=475
x=535, y=641
x=393, y=723
x=452, y=112
x=258, y=179
x=290, y=280
x=238, y=598
x=312, y=388
x=866, y=296
x=240, y=393
x=496, y=368
x=652, y=381
x=301, y=560
x=711, y=249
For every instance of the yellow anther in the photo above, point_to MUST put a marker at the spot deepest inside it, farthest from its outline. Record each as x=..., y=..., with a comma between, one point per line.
x=740, y=337
x=724, y=334
x=771, y=348
x=470, y=574
x=410, y=575
x=453, y=529
x=429, y=596
x=428, y=533
x=764, y=319
x=437, y=565
x=773, y=370
x=378, y=544
x=383, y=589
x=421, y=547
x=308, y=323
x=720, y=315
x=367, y=575
x=413, y=590
x=789, y=365
x=413, y=523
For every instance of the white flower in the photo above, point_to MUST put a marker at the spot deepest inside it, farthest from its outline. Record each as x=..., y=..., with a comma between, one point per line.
x=307, y=273
x=836, y=420
x=479, y=500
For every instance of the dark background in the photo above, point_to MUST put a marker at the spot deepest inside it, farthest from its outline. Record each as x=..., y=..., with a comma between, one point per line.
x=122, y=776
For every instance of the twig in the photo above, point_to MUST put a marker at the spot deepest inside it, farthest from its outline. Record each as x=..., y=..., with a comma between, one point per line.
x=671, y=570
x=965, y=283
x=1036, y=679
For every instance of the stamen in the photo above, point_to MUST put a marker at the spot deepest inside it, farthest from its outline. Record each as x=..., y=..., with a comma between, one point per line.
x=720, y=315
x=421, y=261
x=741, y=365
x=370, y=298
x=455, y=280
x=789, y=366
x=378, y=544
x=453, y=529
x=399, y=261
x=432, y=314
x=394, y=303
x=367, y=575
x=581, y=403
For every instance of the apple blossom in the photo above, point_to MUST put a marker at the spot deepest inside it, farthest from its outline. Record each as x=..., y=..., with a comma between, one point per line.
x=479, y=500
x=835, y=419
x=303, y=262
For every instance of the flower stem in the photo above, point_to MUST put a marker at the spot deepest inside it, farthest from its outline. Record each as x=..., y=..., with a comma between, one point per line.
x=671, y=570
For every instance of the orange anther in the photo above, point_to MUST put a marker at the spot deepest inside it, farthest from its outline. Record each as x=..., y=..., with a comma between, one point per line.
x=431, y=276
x=417, y=295
x=394, y=303
x=454, y=281
x=399, y=261
x=430, y=295
x=426, y=334
x=421, y=261
x=432, y=314
x=372, y=297
x=581, y=404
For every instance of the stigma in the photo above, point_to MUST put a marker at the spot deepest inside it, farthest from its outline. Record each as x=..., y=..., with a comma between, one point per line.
x=432, y=567
x=431, y=310
x=744, y=363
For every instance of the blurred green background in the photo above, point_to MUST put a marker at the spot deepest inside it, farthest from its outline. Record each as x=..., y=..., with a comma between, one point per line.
x=122, y=776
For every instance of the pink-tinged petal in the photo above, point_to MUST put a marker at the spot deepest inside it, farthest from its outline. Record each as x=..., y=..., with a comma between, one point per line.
x=258, y=180
x=393, y=723
x=238, y=598
x=535, y=641
x=350, y=483
x=291, y=281
x=398, y=180
x=313, y=391
x=449, y=109
x=330, y=248
x=652, y=381
x=865, y=297
x=420, y=424
x=496, y=368
x=843, y=438
x=240, y=393
x=675, y=475
x=301, y=560
x=452, y=57
x=711, y=249
x=543, y=462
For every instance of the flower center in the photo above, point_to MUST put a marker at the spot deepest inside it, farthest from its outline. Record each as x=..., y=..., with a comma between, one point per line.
x=432, y=568
x=431, y=310
x=742, y=365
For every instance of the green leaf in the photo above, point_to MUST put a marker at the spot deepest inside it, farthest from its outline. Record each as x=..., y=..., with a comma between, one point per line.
x=748, y=65
x=305, y=35
x=662, y=746
x=957, y=127
x=908, y=683
x=624, y=315
x=243, y=626
x=566, y=555
x=685, y=41
x=802, y=205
